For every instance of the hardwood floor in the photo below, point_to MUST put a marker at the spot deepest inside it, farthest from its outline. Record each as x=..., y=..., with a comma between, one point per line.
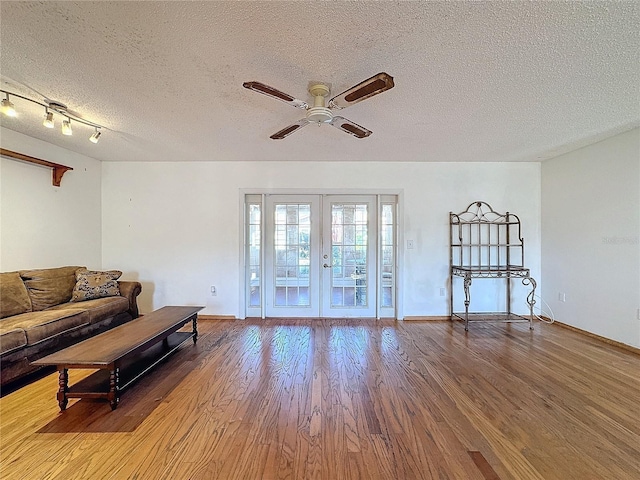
x=346, y=399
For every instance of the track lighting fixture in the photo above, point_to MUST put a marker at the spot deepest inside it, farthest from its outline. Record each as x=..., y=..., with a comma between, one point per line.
x=7, y=107
x=51, y=108
x=95, y=137
x=66, y=127
x=48, y=119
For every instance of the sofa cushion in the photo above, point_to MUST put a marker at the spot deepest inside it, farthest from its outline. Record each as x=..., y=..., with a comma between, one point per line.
x=99, y=308
x=11, y=338
x=50, y=286
x=14, y=298
x=44, y=324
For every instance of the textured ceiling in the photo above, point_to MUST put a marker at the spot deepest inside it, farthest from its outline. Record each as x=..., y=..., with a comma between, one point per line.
x=475, y=81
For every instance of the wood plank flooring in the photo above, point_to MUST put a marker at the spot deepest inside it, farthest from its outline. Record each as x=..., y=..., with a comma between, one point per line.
x=346, y=399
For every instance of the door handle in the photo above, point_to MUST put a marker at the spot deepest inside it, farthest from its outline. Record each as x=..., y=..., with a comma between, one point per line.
x=326, y=265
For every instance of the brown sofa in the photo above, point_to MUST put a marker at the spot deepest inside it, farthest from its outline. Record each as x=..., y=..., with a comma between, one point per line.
x=37, y=316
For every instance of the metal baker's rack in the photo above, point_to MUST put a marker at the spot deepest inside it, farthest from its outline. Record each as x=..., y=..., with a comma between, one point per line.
x=487, y=244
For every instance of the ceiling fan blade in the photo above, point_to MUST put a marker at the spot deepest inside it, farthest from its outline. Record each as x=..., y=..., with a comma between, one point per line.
x=285, y=132
x=277, y=94
x=349, y=127
x=377, y=84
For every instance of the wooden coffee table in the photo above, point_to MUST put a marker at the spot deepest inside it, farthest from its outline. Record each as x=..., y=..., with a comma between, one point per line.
x=122, y=354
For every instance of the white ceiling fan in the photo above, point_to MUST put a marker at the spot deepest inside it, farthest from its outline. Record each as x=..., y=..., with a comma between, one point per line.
x=320, y=112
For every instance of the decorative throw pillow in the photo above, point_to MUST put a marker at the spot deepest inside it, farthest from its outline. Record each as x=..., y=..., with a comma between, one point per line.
x=91, y=284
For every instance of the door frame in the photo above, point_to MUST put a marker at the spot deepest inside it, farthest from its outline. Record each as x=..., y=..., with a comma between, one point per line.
x=379, y=193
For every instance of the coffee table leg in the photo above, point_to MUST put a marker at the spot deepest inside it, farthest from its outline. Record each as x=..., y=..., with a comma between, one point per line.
x=114, y=387
x=63, y=383
x=195, y=328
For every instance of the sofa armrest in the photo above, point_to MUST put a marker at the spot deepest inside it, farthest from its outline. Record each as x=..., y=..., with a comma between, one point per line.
x=131, y=290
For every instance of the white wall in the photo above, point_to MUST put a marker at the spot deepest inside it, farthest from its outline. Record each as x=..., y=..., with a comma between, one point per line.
x=591, y=237
x=176, y=226
x=42, y=225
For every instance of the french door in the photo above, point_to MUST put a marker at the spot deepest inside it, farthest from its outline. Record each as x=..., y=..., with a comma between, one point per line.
x=292, y=256
x=349, y=256
x=321, y=256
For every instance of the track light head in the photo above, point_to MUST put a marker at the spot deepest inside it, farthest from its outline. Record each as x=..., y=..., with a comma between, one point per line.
x=7, y=107
x=95, y=137
x=48, y=119
x=66, y=127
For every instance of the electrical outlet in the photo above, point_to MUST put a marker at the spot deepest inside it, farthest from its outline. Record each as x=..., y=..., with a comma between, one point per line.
x=214, y=292
x=442, y=291
x=409, y=244
x=562, y=297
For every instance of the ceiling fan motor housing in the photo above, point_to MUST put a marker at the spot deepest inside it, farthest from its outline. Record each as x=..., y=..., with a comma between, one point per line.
x=319, y=113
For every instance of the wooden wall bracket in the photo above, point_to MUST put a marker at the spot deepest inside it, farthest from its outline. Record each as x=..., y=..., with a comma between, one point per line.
x=58, y=170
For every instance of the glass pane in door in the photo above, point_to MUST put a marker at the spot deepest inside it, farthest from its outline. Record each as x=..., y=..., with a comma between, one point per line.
x=387, y=255
x=254, y=243
x=291, y=254
x=349, y=252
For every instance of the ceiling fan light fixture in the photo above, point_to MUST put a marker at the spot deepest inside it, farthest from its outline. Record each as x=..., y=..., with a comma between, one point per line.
x=7, y=107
